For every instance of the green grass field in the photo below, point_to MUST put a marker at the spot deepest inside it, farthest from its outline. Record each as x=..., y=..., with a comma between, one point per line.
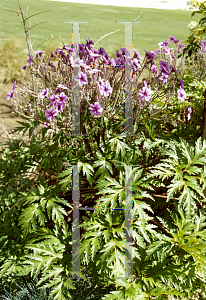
x=156, y=24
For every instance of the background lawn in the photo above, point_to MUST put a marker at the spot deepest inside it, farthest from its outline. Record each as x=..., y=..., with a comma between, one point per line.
x=156, y=24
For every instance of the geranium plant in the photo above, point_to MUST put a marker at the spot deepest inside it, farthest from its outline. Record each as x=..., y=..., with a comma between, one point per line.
x=168, y=175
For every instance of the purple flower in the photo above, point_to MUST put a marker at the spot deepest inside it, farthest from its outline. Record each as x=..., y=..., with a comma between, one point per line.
x=112, y=62
x=150, y=55
x=14, y=85
x=101, y=51
x=117, y=60
x=30, y=59
x=164, y=67
x=60, y=105
x=57, y=90
x=106, y=56
x=163, y=44
x=43, y=94
x=136, y=55
x=82, y=79
x=121, y=62
x=189, y=113
x=172, y=38
x=39, y=53
x=125, y=51
x=172, y=57
x=59, y=51
x=52, y=55
x=52, y=99
x=24, y=67
x=157, y=51
x=46, y=124
x=104, y=60
x=100, y=82
x=62, y=97
x=181, y=94
x=82, y=49
x=136, y=64
x=180, y=47
x=145, y=93
x=96, y=109
x=105, y=89
x=119, y=55
x=50, y=114
x=66, y=47
x=164, y=78
x=181, y=84
x=70, y=49
x=154, y=69
x=10, y=95
x=168, y=50
x=89, y=43
x=173, y=69
x=92, y=54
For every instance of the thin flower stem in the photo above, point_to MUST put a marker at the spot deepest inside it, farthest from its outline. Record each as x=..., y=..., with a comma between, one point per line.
x=116, y=30
x=120, y=105
x=116, y=98
x=43, y=42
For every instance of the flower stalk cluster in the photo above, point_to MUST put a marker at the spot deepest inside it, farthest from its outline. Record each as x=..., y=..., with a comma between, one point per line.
x=101, y=82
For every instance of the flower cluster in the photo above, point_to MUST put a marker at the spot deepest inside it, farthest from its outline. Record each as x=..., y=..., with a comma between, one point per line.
x=192, y=25
x=97, y=77
x=86, y=56
x=11, y=93
x=145, y=93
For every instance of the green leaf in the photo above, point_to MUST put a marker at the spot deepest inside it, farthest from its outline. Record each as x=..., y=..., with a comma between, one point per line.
x=87, y=169
x=41, y=189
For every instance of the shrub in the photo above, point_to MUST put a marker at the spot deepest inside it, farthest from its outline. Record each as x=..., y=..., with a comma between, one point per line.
x=197, y=31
